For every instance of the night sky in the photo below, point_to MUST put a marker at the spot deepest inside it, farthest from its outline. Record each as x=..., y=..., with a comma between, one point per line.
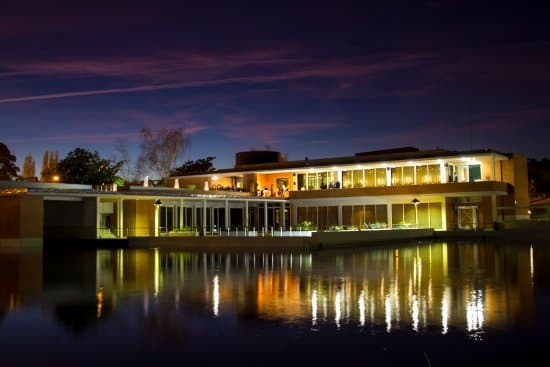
x=316, y=81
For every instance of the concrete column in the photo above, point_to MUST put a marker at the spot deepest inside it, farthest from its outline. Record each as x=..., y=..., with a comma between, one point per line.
x=444, y=214
x=157, y=210
x=340, y=215
x=494, y=207
x=245, y=222
x=203, y=217
x=120, y=217
x=97, y=217
x=212, y=216
x=442, y=172
x=266, y=222
x=294, y=216
x=227, y=216
x=390, y=217
x=193, y=215
x=283, y=215
x=181, y=213
x=388, y=176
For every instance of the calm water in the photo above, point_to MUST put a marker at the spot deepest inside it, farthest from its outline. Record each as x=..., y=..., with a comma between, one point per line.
x=415, y=304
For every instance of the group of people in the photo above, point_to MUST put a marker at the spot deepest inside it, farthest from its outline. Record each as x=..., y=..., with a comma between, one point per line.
x=265, y=192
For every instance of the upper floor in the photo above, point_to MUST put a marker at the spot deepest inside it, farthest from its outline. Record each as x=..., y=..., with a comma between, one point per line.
x=387, y=168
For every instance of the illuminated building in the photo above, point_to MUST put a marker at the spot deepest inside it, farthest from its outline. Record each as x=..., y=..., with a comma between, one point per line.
x=396, y=188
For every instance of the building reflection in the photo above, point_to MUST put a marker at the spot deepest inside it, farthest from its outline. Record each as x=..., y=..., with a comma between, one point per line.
x=422, y=288
x=20, y=277
x=425, y=288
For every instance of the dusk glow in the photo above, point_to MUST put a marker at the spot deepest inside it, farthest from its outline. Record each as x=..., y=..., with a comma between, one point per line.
x=316, y=82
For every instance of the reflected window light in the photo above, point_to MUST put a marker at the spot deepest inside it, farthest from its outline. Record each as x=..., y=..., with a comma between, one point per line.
x=216, y=296
x=99, y=297
x=531, y=263
x=120, y=267
x=156, y=272
x=362, y=308
x=474, y=311
x=387, y=309
x=325, y=308
x=445, y=311
x=372, y=308
x=338, y=308
x=414, y=313
x=314, y=307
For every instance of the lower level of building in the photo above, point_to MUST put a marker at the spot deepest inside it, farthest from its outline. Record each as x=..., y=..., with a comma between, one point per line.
x=119, y=215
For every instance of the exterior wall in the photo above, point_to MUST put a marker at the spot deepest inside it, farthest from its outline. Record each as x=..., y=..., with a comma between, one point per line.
x=521, y=186
x=139, y=218
x=487, y=169
x=76, y=219
x=32, y=216
x=514, y=172
x=10, y=216
x=250, y=183
x=89, y=217
x=450, y=213
x=22, y=216
x=496, y=187
x=486, y=213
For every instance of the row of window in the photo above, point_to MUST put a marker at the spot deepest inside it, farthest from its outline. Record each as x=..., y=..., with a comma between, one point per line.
x=396, y=176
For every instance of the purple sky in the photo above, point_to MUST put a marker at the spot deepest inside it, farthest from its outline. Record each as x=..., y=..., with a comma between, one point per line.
x=316, y=82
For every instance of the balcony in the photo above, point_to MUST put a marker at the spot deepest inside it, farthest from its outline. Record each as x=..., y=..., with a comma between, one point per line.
x=484, y=187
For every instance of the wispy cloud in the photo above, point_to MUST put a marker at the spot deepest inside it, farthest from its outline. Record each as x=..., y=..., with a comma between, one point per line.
x=84, y=137
x=181, y=70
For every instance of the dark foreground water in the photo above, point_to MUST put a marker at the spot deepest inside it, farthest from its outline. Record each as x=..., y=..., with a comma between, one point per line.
x=420, y=304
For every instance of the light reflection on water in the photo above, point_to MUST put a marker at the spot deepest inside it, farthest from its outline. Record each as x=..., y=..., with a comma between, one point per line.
x=432, y=289
x=412, y=288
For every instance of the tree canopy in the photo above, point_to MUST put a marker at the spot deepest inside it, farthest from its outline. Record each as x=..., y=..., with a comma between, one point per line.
x=8, y=168
x=50, y=160
x=160, y=149
x=202, y=165
x=29, y=169
x=84, y=167
x=539, y=176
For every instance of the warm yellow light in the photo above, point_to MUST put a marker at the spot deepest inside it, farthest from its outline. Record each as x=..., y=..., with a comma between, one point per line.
x=216, y=296
x=55, y=178
x=215, y=178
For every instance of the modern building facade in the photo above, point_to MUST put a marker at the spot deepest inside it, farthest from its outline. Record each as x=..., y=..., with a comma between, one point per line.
x=394, y=188
x=397, y=188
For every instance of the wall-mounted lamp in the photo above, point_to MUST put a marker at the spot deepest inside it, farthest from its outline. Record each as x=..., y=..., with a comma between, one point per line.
x=158, y=203
x=415, y=201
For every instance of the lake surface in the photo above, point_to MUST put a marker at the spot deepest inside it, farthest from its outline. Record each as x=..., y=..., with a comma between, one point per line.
x=413, y=304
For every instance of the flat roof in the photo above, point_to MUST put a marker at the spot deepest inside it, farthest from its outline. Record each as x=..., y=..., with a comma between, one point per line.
x=387, y=155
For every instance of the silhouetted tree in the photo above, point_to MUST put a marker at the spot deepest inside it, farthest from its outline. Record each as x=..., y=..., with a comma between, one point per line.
x=8, y=168
x=29, y=169
x=49, y=166
x=84, y=167
x=128, y=171
x=161, y=149
x=539, y=176
x=203, y=165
